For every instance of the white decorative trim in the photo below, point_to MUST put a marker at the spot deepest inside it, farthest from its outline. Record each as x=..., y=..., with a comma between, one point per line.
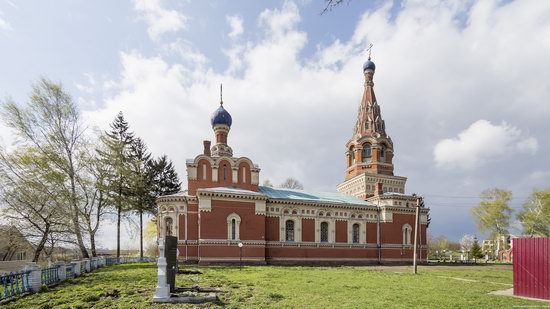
x=235, y=174
x=297, y=229
x=255, y=178
x=230, y=218
x=214, y=174
x=205, y=203
x=407, y=229
x=331, y=229
x=362, y=231
x=191, y=173
x=260, y=207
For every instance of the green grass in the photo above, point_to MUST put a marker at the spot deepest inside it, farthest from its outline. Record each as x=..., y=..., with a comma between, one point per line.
x=133, y=285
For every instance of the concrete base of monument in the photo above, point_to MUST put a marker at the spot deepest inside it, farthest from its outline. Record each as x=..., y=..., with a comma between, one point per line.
x=188, y=298
x=190, y=295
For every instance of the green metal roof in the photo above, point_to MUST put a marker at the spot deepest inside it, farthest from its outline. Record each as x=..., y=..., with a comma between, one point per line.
x=321, y=197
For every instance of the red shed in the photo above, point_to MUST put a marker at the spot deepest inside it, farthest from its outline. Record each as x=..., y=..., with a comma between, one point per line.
x=532, y=267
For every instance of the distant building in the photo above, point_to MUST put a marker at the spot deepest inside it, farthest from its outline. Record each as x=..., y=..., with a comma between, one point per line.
x=371, y=218
x=13, y=245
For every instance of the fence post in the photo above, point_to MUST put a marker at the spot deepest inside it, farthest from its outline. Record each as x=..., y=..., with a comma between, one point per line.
x=35, y=276
x=86, y=265
x=76, y=269
x=61, y=271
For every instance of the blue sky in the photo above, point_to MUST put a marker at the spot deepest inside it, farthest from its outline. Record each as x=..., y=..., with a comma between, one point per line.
x=462, y=85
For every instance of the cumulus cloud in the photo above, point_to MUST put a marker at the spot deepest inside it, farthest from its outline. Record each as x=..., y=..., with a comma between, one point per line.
x=159, y=19
x=4, y=25
x=483, y=142
x=437, y=65
x=236, y=24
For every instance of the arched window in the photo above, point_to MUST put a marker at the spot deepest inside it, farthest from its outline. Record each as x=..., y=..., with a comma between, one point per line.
x=224, y=172
x=355, y=233
x=366, y=153
x=168, y=225
x=233, y=226
x=407, y=234
x=289, y=230
x=233, y=229
x=324, y=232
x=351, y=158
x=382, y=153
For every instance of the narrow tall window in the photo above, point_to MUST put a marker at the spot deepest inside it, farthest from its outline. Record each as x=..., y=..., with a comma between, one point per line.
x=203, y=171
x=352, y=155
x=355, y=232
x=168, y=226
x=366, y=154
x=382, y=153
x=289, y=230
x=224, y=172
x=324, y=232
x=407, y=234
x=244, y=174
x=233, y=229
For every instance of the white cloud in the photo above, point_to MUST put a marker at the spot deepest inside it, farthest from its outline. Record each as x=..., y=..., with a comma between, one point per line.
x=438, y=67
x=236, y=24
x=483, y=142
x=306, y=96
x=159, y=19
x=4, y=25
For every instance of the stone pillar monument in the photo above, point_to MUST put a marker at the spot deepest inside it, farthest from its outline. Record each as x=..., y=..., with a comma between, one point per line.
x=162, y=292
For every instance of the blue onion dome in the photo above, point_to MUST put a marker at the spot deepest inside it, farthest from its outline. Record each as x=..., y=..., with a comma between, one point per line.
x=369, y=65
x=221, y=116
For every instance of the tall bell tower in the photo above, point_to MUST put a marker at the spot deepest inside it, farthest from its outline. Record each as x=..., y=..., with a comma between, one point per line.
x=369, y=152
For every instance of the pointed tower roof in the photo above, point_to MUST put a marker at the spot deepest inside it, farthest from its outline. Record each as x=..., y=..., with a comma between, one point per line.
x=369, y=119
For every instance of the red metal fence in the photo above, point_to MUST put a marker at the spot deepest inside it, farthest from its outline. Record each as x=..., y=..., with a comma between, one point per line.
x=532, y=267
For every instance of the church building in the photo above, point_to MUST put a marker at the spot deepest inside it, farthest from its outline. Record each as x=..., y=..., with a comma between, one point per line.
x=225, y=215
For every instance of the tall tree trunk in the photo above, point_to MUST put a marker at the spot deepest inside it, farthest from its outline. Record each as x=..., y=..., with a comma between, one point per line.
x=119, y=210
x=76, y=219
x=92, y=244
x=141, y=234
x=41, y=244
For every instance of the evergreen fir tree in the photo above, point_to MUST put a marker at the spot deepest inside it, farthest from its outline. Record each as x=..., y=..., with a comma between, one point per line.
x=141, y=182
x=115, y=153
x=166, y=179
x=476, y=250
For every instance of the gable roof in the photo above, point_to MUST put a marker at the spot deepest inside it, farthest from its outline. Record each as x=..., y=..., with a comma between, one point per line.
x=310, y=196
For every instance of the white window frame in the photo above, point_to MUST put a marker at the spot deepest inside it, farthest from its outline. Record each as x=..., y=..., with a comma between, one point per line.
x=237, y=226
x=407, y=229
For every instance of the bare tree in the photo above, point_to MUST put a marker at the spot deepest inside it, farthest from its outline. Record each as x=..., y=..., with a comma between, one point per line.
x=466, y=242
x=95, y=198
x=331, y=4
x=292, y=183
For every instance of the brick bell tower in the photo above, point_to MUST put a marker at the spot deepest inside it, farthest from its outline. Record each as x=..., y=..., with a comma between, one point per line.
x=369, y=152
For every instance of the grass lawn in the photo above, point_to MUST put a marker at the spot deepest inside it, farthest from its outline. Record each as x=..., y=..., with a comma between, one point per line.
x=133, y=285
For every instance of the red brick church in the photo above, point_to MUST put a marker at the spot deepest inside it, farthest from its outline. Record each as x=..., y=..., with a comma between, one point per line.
x=369, y=220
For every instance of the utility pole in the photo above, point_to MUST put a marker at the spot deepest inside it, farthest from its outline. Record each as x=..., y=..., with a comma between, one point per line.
x=417, y=221
x=378, y=244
